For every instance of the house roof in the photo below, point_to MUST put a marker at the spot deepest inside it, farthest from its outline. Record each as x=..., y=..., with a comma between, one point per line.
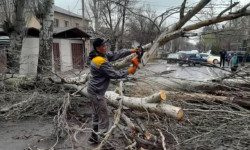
x=66, y=12
x=67, y=32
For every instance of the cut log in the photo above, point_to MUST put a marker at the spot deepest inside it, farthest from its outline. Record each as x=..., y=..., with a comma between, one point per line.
x=155, y=98
x=137, y=103
x=147, y=134
x=140, y=104
x=150, y=138
x=130, y=124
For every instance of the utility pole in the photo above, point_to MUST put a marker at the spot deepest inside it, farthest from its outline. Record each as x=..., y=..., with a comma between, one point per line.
x=85, y=53
x=83, y=18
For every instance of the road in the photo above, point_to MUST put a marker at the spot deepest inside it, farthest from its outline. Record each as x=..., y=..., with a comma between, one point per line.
x=198, y=72
x=163, y=76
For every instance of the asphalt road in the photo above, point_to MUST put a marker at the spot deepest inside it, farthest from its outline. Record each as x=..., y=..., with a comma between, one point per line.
x=198, y=72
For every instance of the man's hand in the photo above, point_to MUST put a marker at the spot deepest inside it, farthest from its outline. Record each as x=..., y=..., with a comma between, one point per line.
x=132, y=70
x=134, y=50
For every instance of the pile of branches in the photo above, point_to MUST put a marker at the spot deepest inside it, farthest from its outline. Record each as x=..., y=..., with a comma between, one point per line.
x=208, y=123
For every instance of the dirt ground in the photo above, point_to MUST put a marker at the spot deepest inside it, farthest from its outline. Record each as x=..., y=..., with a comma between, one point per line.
x=21, y=134
x=38, y=132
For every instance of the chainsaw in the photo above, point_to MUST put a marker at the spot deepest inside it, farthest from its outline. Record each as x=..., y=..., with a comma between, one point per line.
x=136, y=61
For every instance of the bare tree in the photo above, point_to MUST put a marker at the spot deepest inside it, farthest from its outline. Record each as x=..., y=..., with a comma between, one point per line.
x=109, y=20
x=45, y=14
x=95, y=10
x=14, y=26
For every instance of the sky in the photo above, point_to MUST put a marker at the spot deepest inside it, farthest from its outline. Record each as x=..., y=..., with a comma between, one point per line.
x=159, y=6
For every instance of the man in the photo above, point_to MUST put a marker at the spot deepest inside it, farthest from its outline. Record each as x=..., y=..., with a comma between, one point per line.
x=102, y=72
x=223, y=54
x=234, y=63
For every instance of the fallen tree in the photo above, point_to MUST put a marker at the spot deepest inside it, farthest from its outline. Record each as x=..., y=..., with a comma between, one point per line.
x=177, y=30
x=150, y=103
x=204, y=117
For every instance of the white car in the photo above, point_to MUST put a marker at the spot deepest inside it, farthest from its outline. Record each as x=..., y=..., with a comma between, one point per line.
x=213, y=59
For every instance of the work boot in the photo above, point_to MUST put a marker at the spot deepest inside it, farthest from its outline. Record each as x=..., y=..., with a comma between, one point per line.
x=94, y=137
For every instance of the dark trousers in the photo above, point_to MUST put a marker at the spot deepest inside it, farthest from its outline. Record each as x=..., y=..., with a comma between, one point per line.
x=100, y=116
x=222, y=60
x=233, y=69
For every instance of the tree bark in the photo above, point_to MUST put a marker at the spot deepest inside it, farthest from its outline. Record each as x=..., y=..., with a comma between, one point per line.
x=15, y=27
x=141, y=104
x=137, y=103
x=46, y=38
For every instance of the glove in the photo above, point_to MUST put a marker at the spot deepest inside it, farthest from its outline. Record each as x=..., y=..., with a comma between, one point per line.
x=134, y=50
x=135, y=61
x=132, y=70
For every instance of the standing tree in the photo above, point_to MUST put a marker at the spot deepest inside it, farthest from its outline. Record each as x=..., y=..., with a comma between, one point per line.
x=45, y=14
x=109, y=20
x=14, y=26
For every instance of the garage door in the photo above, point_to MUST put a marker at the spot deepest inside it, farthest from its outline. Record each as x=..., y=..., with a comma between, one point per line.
x=77, y=55
x=56, y=54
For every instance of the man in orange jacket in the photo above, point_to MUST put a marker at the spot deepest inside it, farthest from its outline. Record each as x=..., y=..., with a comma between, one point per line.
x=102, y=72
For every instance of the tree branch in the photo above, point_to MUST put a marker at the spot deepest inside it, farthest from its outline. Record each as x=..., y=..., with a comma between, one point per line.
x=183, y=5
x=230, y=7
x=173, y=35
x=244, y=8
x=190, y=14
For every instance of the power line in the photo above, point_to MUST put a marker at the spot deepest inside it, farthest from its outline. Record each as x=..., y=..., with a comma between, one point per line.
x=75, y=5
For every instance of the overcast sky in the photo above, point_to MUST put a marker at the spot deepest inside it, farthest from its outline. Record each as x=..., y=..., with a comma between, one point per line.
x=158, y=5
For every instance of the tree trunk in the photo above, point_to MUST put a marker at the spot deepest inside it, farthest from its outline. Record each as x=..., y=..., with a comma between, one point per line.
x=141, y=104
x=16, y=30
x=46, y=39
x=137, y=103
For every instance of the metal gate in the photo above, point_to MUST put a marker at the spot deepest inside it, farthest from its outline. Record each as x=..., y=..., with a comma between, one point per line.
x=77, y=55
x=56, y=54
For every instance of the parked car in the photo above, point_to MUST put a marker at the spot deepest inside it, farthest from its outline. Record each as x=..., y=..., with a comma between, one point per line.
x=172, y=58
x=205, y=55
x=190, y=59
x=213, y=59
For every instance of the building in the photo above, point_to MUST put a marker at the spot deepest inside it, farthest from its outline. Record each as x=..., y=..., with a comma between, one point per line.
x=71, y=43
x=62, y=18
x=68, y=50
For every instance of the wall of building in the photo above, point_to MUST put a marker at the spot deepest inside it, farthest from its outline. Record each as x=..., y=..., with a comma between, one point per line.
x=32, y=22
x=88, y=49
x=29, y=56
x=72, y=20
x=66, y=53
x=30, y=51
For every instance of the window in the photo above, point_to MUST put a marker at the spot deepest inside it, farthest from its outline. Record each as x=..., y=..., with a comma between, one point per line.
x=66, y=23
x=56, y=23
x=204, y=55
